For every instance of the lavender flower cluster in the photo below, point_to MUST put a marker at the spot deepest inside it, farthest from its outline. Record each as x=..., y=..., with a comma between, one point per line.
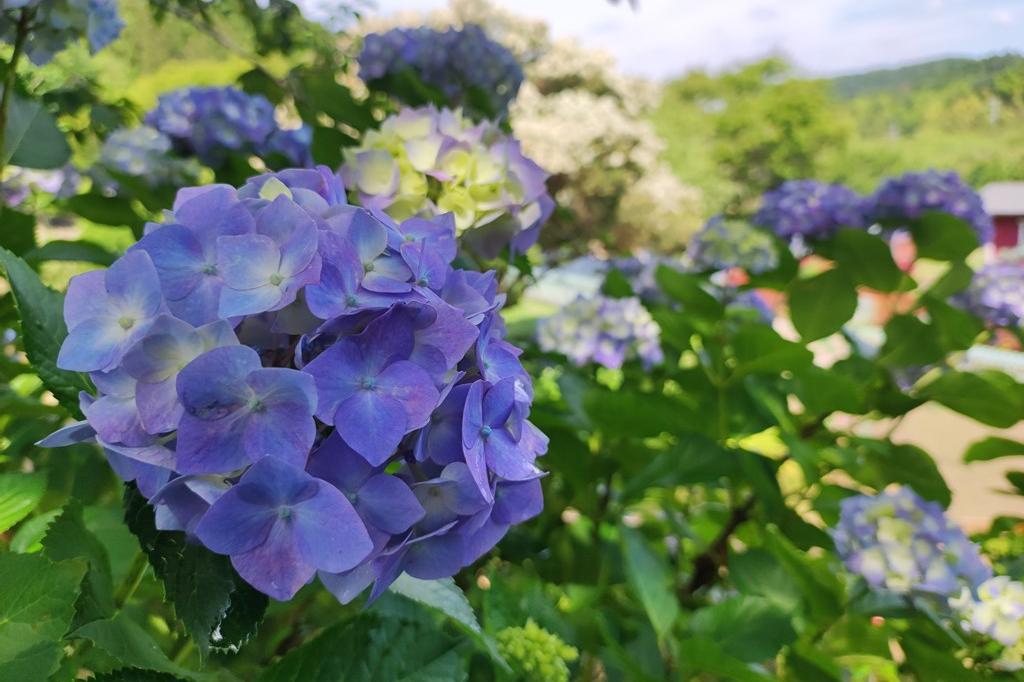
x=724, y=244
x=463, y=64
x=996, y=294
x=54, y=24
x=904, y=544
x=425, y=161
x=809, y=210
x=307, y=387
x=210, y=122
x=144, y=153
x=607, y=331
x=908, y=196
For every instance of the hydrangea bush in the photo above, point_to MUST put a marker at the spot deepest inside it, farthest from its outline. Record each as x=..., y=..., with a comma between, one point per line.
x=276, y=382
x=426, y=161
x=308, y=387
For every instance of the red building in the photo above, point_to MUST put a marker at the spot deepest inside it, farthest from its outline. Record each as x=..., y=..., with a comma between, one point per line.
x=1004, y=201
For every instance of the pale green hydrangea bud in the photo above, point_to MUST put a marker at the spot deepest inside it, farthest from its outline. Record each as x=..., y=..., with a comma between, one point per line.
x=536, y=654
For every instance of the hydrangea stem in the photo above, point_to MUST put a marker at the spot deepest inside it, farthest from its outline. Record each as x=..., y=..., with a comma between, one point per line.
x=21, y=36
x=132, y=580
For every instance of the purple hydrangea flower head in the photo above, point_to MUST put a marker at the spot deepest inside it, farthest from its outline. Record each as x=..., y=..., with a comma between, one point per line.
x=210, y=122
x=425, y=162
x=56, y=23
x=996, y=294
x=808, y=209
x=471, y=70
x=607, y=331
x=280, y=526
x=908, y=196
x=307, y=386
x=902, y=543
x=144, y=153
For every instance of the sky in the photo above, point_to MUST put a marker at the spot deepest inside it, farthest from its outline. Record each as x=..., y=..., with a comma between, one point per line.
x=663, y=38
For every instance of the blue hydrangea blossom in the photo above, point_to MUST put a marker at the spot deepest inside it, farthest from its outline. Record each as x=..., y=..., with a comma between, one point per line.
x=210, y=122
x=809, y=210
x=996, y=294
x=144, y=153
x=462, y=63
x=902, y=543
x=607, y=331
x=307, y=387
x=909, y=195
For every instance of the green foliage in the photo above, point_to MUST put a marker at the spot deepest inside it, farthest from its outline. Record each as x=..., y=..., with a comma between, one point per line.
x=536, y=654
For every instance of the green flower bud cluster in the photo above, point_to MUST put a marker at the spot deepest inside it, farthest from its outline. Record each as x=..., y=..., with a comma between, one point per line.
x=536, y=654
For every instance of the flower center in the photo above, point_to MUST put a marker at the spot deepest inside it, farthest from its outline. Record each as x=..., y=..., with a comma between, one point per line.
x=351, y=301
x=367, y=267
x=210, y=269
x=485, y=431
x=276, y=279
x=284, y=513
x=126, y=323
x=367, y=383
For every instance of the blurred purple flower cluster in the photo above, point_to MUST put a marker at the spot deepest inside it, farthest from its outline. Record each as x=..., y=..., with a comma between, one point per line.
x=462, y=63
x=307, y=386
x=211, y=122
x=809, y=210
x=144, y=153
x=56, y=23
x=607, y=331
x=996, y=294
x=902, y=543
x=910, y=195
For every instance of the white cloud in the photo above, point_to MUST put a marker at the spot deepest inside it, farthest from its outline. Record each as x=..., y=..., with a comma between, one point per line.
x=663, y=38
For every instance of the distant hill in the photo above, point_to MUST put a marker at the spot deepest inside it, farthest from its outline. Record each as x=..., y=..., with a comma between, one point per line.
x=932, y=75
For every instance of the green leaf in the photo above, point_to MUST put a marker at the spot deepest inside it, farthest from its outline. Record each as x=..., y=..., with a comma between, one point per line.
x=817, y=581
x=68, y=538
x=821, y=305
x=36, y=605
x=19, y=495
x=29, y=536
x=993, y=447
x=651, y=580
x=373, y=647
x=128, y=643
x=1016, y=479
x=749, y=628
x=203, y=587
x=32, y=139
x=758, y=573
x=884, y=463
x=687, y=289
x=867, y=259
x=114, y=211
x=627, y=413
x=616, y=285
x=940, y=236
x=703, y=655
x=824, y=391
x=321, y=92
x=957, y=328
x=990, y=397
x=908, y=342
x=759, y=348
x=17, y=230
x=79, y=251
x=43, y=329
x=135, y=675
x=445, y=597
